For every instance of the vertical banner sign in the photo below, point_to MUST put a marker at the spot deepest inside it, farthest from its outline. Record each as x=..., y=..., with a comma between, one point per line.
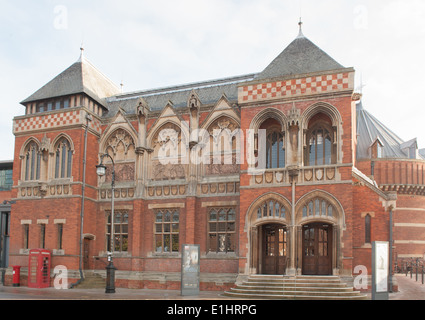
x=380, y=270
x=191, y=270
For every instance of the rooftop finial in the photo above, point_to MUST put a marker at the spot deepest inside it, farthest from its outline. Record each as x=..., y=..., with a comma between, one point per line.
x=82, y=52
x=301, y=35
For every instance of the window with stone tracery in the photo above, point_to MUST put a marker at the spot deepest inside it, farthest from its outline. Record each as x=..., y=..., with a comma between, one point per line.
x=321, y=146
x=169, y=154
x=32, y=162
x=275, y=150
x=63, y=159
x=121, y=147
x=318, y=208
x=224, y=147
x=271, y=209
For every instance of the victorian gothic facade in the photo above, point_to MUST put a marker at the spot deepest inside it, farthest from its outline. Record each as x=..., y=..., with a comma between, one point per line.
x=278, y=172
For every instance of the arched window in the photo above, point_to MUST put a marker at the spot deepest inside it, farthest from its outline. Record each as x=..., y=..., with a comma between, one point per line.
x=320, y=146
x=271, y=209
x=63, y=159
x=318, y=208
x=32, y=162
x=275, y=150
x=368, y=223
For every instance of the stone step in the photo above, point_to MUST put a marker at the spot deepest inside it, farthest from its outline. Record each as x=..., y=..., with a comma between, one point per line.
x=292, y=297
x=296, y=292
x=294, y=288
x=299, y=287
x=299, y=284
x=276, y=277
x=92, y=281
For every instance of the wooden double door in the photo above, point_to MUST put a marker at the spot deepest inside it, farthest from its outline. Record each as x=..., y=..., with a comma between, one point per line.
x=317, y=249
x=274, y=249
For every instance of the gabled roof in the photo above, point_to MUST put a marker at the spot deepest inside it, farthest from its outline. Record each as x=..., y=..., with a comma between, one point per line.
x=369, y=129
x=301, y=57
x=81, y=77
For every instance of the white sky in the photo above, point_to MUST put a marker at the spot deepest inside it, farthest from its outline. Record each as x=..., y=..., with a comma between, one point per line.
x=155, y=43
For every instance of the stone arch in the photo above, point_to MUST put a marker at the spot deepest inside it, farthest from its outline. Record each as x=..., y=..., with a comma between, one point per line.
x=120, y=144
x=267, y=114
x=321, y=107
x=252, y=219
x=54, y=166
x=154, y=132
x=336, y=223
x=60, y=137
x=28, y=167
x=27, y=143
x=335, y=126
x=255, y=224
x=123, y=146
x=169, y=157
x=221, y=142
x=338, y=213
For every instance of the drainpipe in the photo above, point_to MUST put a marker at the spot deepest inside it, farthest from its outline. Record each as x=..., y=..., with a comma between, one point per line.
x=390, y=275
x=293, y=174
x=83, y=191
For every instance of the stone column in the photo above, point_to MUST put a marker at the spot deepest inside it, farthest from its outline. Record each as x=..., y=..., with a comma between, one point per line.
x=141, y=149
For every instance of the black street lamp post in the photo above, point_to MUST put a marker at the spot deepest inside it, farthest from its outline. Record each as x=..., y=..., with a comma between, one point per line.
x=110, y=269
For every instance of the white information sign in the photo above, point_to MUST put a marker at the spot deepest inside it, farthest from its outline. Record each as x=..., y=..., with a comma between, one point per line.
x=381, y=263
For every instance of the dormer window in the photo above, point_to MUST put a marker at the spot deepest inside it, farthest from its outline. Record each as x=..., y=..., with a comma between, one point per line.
x=380, y=151
x=377, y=149
x=412, y=153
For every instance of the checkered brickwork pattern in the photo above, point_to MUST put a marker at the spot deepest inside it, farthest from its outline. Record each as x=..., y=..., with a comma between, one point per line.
x=293, y=87
x=56, y=120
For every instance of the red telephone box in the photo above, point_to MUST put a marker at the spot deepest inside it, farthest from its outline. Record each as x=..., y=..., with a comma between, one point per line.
x=39, y=269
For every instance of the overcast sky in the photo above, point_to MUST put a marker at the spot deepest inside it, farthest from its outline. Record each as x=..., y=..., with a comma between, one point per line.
x=156, y=43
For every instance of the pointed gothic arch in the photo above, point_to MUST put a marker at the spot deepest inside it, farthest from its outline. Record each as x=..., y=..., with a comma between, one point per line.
x=31, y=158
x=320, y=224
x=267, y=222
x=322, y=127
x=61, y=157
x=268, y=113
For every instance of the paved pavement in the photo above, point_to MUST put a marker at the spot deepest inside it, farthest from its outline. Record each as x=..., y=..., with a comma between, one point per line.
x=409, y=289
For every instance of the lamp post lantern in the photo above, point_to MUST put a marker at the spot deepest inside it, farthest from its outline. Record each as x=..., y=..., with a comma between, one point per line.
x=110, y=269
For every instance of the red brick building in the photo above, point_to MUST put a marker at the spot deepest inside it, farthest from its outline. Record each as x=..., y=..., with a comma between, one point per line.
x=6, y=183
x=311, y=204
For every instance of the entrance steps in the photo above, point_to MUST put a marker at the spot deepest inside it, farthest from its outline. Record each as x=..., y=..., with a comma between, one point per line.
x=92, y=280
x=295, y=288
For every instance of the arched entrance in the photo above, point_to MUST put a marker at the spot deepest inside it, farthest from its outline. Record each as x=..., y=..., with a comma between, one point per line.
x=269, y=235
x=320, y=221
x=274, y=249
x=317, y=249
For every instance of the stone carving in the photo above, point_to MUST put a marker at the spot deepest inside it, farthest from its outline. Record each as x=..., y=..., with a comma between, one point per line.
x=123, y=172
x=168, y=172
